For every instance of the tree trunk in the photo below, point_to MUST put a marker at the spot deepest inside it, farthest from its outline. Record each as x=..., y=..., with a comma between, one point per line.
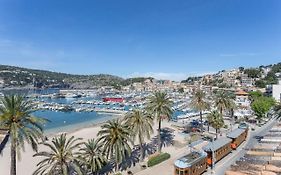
x=159, y=136
x=116, y=166
x=201, y=120
x=141, y=149
x=216, y=133
x=13, y=170
x=208, y=127
x=232, y=118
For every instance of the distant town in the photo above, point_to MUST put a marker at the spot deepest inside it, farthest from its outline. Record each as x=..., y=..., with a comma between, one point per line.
x=263, y=78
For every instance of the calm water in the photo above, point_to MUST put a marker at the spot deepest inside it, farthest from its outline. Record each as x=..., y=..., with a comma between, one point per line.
x=67, y=121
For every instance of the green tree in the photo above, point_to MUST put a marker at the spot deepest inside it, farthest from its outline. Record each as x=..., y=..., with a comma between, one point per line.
x=255, y=94
x=16, y=117
x=241, y=69
x=61, y=157
x=160, y=105
x=115, y=138
x=222, y=101
x=216, y=121
x=261, y=106
x=181, y=90
x=92, y=156
x=260, y=84
x=253, y=73
x=141, y=125
x=199, y=103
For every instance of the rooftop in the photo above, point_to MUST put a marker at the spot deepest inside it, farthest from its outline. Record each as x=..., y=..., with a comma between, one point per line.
x=235, y=133
x=189, y=159
x=217, y=144
x=241, y=92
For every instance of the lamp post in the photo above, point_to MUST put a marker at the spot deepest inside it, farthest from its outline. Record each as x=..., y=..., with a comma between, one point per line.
x=213, y=158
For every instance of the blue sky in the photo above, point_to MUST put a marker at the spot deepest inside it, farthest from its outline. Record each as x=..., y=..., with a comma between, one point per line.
x=163, y=38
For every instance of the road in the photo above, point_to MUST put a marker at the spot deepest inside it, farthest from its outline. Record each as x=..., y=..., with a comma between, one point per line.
x=226, y=162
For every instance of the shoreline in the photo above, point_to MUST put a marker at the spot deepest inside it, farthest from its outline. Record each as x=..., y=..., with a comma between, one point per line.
x=74, y=128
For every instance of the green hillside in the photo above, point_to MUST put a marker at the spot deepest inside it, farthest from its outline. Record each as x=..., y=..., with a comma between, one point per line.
x=20, y=77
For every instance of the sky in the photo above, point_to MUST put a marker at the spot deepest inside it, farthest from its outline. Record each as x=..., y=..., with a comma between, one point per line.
x=166, y=39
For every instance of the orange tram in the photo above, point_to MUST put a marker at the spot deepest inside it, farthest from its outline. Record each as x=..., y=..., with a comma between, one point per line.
x=197, y=162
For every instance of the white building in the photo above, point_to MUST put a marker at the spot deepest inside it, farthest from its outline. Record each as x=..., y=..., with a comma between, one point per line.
x=275, y=91
x=242, y=99
x=246, y=81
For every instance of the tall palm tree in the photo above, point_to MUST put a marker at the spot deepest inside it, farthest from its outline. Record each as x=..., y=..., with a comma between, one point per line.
x=92, y=156
x=141, y=124
x=216, y=121
x=16, y=117
x=62, y=157
x=115, y=138
x=160, y=105
x=222, y=101
x=200, y=103
x=232, y=107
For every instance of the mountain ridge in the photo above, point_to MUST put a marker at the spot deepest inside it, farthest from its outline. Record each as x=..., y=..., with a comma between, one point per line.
x=14, y=76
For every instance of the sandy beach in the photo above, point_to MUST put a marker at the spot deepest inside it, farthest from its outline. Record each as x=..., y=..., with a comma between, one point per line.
x=27, y=164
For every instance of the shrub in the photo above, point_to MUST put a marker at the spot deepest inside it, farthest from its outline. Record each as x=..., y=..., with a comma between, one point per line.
x=158, y=159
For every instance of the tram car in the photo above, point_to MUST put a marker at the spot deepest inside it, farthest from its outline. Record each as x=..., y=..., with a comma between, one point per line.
x=220, y=148
x=237, y=136
x=196, y=163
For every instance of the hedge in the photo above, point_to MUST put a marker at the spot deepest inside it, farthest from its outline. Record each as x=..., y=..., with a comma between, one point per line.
x=158, y=159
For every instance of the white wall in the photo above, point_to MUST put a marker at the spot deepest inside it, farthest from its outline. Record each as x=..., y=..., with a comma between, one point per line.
x=276, y=92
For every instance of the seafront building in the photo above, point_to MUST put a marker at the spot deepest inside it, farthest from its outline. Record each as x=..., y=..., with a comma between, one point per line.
x=274, y=91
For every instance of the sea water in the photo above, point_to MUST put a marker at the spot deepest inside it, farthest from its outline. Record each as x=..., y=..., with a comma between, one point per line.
x=70, y=121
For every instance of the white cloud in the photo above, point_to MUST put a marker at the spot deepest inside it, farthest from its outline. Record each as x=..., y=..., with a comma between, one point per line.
x=166, y=75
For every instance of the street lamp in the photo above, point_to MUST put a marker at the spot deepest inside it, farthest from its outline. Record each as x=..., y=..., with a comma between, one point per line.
x=213, y=158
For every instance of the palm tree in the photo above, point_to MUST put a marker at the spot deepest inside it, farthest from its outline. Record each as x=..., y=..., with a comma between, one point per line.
x=200, y=103
x=222, y=101
x=92, y=157
x=115, y=138
x=16, y=117
x=232, y=107
x=61, y=159
x=160, y=105
x=140, y=123
x=216, y=121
